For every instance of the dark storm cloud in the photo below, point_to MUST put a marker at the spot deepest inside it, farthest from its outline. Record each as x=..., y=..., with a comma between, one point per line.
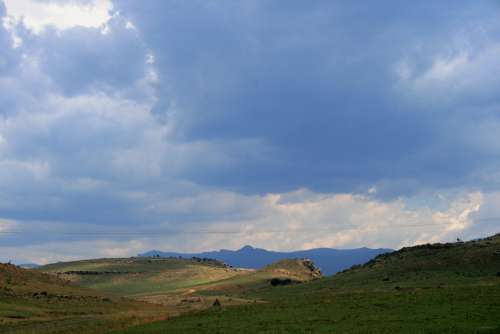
x=248, y=114
x=316, y=82
x=80, y=60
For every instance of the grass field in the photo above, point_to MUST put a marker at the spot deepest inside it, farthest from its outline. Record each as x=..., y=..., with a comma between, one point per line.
x=140, y=276
x=318, y=308
x=178, y=285
x=439, y=288
x=449, y=288
x=33, y=302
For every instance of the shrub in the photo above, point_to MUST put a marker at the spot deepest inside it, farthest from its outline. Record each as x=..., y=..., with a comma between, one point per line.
x=280, y=281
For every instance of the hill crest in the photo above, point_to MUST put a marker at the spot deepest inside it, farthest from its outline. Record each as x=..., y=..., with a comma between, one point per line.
x=329, y=260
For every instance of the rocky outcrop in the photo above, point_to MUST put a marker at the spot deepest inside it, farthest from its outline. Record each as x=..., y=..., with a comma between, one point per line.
x=314, y=271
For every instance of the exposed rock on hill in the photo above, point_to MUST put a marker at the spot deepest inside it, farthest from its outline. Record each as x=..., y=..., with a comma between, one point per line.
x=295, y=269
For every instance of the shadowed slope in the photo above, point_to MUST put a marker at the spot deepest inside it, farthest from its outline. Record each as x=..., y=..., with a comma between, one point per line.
x=35, y=302
x=431, y=264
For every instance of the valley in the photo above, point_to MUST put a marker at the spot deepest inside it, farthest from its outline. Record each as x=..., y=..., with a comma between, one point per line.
x=432, y=288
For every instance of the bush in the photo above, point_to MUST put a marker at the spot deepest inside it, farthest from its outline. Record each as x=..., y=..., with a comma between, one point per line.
x=281, y=281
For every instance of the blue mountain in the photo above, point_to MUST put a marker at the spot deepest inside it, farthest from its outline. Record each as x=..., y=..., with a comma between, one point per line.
x=329, y=260
x=29, y=265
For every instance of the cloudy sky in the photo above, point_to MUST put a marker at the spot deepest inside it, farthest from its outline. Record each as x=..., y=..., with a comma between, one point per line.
x=132, y=125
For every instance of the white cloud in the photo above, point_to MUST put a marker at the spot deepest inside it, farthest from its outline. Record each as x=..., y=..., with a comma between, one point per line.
x=346, y=220
x=7, y=225
x=80, y=143
x=289, y=221
x=132, y=145
x=464, y=75
x=69, y=251
x=445, y=69
x=37, y=15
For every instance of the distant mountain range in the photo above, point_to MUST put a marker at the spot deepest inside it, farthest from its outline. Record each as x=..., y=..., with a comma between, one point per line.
x=329, y=260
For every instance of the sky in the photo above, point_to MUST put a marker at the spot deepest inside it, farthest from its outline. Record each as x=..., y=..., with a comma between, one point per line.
x=197, y=125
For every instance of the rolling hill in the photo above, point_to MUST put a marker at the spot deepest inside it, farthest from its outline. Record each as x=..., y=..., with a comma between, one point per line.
x=438, y=288
x=34, y=302
x=135, y=277
x=432, y=288
x=181, y=285
x=329, y=260
x=432, y=264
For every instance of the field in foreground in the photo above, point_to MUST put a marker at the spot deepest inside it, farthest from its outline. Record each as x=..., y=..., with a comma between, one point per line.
x=32, y=302
x=443, y=288
x=299, y=310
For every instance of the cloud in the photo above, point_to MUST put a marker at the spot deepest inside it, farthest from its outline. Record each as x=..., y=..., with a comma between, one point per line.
x=83, y=60
x=62, y=14
x=319, y=86
x=6, y=225
x=297, y=220
x=69, y=251
x=69, y=169
x=463, y=77
x=8, y=56
x=318, y=124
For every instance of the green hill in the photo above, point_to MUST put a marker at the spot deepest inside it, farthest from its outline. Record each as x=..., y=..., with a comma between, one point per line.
x=251, y=284
x=136, y=277
x=439, y=288
x=472, y=262
x=180, y=285
x=34, y=302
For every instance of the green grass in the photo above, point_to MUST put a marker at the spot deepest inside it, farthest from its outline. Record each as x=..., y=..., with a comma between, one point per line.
x=21, y=314
x=176, y=286
x=451, y=288
x=448, y=288
x=141, y=276
x=33, y=302
x=300, y=310
x=118, y=265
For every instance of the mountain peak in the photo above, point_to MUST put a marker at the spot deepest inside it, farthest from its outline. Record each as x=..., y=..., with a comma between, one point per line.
x=247, y=248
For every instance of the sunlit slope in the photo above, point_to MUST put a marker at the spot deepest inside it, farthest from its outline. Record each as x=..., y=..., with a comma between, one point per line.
x=298, y=269
x=181, y=285
x=440, y=288
x=34, y=302
x=141, y=276
x=243, y=288
x=283, y=272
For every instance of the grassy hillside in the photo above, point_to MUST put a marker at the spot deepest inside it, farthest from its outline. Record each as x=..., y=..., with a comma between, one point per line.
x=33, y=302
x=250, y=285
x=180, y=285
x=136, y=277
x=474, y=262
x=441, y=288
